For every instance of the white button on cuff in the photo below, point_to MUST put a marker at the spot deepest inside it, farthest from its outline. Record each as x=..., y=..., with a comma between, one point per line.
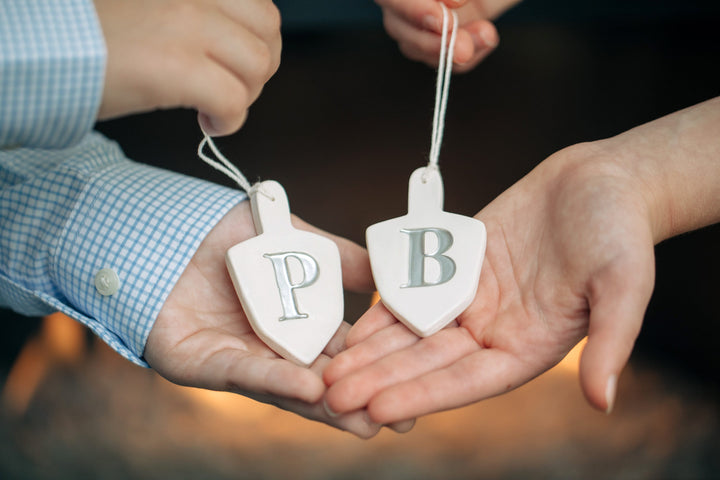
x=107, y=282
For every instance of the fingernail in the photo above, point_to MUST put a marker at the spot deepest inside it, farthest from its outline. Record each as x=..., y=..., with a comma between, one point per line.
x=431, y=23
x=610, y=391
x=487, y=37
x=206, y=124
x=329, y=410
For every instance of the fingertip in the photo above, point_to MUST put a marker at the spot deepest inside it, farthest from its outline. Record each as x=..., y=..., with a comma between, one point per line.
x=484, y=34
x=297, y=382
x=337, y=342
x=402, y=427
x=372, y=321
x=330, y=412
x=610, y=393
x=311, y=388
x=601, y=394
x=380, y=411
x=334, y=401
x=598, y=382
x=216, y=127
x=333, y=372
x=207, y=126
x=364, y=427
x=464, y=48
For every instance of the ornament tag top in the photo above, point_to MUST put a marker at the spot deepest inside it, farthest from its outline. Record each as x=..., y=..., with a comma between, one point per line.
x=427, y=263
x=289, y=281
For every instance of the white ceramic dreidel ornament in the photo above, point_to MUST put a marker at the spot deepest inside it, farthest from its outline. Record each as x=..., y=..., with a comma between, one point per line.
x=427, y=263
x=289, y=281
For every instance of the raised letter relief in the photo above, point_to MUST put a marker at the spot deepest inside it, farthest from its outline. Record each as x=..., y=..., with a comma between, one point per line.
x=418, y=254
x=293, y=295
x=286, y=286
x=427, y=263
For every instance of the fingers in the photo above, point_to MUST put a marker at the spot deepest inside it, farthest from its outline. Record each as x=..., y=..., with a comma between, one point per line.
x=357, y=422
x=217, y=115
x=424, y=45
x=376, y=347
x=618, y=302
x=241, y=371
x=423, y=14
x=337, y=342
x=250, y=51
x=485, y=40
x=403, y=426
x=477, y=376
x=214, y=56
x=375, y=319
x=417, y=27
x=391, y=357
x=448, y=374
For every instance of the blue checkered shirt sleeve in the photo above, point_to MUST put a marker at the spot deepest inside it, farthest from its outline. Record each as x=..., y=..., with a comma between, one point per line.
x=71, y=203
x=52, y=69
x=67, y=214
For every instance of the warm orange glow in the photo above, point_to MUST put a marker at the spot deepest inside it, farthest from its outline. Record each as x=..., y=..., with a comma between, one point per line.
x=61, y=340
x=571, y=362
x=26, y=374
x=375, y=298
x=63, y=337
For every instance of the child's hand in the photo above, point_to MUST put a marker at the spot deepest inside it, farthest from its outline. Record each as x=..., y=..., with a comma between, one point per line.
x=210, y=55
x=417, y=26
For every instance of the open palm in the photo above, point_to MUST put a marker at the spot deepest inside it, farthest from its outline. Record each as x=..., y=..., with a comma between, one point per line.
x=569, y=254
x=202, y=337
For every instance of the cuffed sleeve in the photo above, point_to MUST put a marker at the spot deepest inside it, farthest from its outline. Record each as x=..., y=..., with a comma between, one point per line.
x=52, y=69
x=65, y=218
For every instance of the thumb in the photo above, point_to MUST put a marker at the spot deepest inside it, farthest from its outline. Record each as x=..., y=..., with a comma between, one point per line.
x=618, y=300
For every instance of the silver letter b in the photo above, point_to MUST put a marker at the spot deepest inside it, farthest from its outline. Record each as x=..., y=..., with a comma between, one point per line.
x=418, y=255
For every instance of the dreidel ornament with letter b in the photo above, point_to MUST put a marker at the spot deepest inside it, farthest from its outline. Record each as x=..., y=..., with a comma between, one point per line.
x=427, y=263
x=289, y=281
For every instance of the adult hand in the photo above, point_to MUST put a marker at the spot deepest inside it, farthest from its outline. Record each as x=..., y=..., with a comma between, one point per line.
x=569, y=254
x=210, y=55
x=417, y=27
x=202, y=337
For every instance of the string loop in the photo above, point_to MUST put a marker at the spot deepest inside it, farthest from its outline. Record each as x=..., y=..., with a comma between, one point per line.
x=442, y=87
x=225, y=166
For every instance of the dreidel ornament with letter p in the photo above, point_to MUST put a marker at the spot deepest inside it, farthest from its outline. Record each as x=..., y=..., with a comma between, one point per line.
x=427, y=263
x=289, y=281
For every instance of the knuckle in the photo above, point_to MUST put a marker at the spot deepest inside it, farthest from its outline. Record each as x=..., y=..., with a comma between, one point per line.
x=264, y=59
x=390, y=25
x=265, y=64
x=270, y=21
x=237, y=103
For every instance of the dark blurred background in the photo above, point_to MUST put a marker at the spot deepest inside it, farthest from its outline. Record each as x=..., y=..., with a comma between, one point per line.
x=342, y=125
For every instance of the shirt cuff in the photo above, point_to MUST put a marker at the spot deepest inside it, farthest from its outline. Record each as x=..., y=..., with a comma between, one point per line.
x=144, y=225
x=52, y=64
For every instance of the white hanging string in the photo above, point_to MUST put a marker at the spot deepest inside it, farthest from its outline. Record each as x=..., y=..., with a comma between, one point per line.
x=443, y=85
x=225, y=166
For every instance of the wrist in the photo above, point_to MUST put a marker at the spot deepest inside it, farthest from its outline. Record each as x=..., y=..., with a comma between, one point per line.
x=674, y=164
x=638, y=170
